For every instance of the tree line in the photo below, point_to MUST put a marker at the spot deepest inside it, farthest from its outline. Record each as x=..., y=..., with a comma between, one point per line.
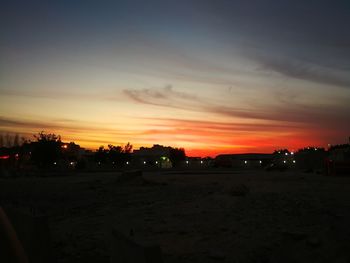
x=46, y=149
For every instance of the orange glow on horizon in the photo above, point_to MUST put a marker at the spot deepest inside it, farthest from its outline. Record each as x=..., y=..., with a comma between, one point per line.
x=198, y=138
x=247, y=146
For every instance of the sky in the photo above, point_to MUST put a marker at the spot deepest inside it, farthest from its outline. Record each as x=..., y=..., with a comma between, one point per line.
x=219, y=76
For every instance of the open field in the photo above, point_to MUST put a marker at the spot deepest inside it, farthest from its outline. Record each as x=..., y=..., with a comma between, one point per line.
x=202, y=216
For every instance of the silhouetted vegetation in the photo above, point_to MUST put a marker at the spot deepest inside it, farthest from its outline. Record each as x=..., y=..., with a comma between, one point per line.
x=311, y=149
x=101, y=155
x=118, y=154
x=114, y=154
x=339, y=146
x=311, y=159
x=177, y=155
x=10, y=141
x=47, y=149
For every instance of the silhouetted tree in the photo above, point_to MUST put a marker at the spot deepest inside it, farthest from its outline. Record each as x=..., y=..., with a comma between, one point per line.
x=128, y=148
x=114, y=149
x=115, y=153
x=70, y=151
x=101, y=155
x=8, y=140
x=177, y=155
x=16, y=140
x=127, y=152
x=311, y=158
x=310, y=149
x=339, y=146
x=47, y=149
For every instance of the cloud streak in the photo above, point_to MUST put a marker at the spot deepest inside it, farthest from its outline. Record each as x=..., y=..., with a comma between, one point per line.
x=291, y=112
x=298, y=69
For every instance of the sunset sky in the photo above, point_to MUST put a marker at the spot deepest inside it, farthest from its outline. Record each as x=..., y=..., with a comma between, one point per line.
x=219, y=76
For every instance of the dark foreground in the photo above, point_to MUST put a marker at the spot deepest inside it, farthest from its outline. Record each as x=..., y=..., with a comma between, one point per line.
x=204, y=216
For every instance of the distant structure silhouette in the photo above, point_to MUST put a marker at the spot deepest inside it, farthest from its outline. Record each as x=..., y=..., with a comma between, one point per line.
x=47, y=152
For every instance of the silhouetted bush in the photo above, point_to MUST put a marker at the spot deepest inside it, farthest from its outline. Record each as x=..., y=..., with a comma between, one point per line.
x=46, y=150
x=339, y=146
x=177, y=155
x=114, y=154
x=101, y=155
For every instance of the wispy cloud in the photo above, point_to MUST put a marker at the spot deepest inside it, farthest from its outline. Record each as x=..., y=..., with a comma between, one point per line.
x=167, y=97
x=303, y=70
x=291, y=112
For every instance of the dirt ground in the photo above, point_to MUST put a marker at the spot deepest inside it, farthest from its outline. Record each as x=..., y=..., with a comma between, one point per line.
x=195, y=216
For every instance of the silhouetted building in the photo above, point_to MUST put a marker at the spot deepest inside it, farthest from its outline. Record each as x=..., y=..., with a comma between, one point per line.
x=156, y=156
x=156, y=150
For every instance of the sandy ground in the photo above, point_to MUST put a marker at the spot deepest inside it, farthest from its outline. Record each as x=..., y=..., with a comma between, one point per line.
x=203, y=216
